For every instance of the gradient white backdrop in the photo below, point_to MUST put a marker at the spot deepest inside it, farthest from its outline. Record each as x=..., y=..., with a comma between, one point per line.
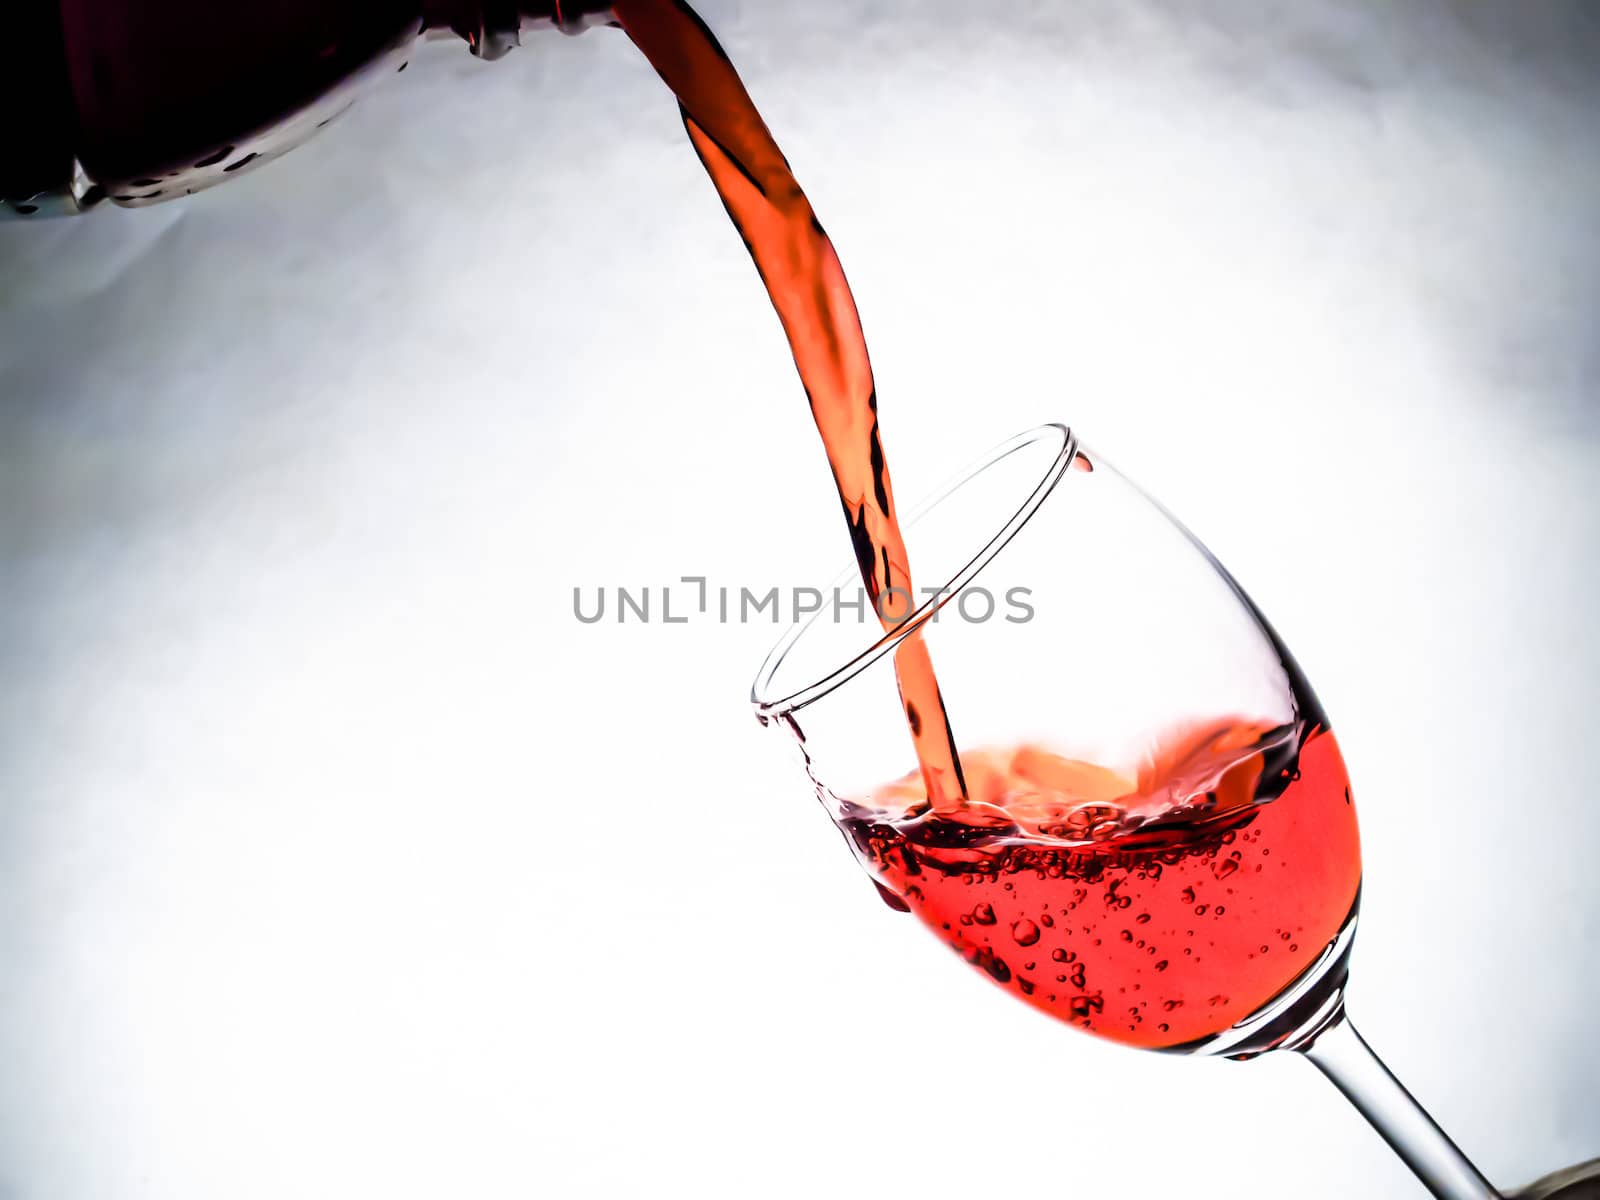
x=340, y=860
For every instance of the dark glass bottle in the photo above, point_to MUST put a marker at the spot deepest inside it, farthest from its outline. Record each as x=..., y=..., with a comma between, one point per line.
x=139, y=101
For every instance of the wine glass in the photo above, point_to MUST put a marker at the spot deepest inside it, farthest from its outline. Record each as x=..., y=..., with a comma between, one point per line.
x=1157, y=841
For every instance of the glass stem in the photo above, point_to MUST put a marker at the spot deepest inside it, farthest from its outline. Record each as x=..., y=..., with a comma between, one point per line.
x=1339, y=1052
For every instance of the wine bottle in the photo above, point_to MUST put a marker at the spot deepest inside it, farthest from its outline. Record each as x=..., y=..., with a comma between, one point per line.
x=141, y=101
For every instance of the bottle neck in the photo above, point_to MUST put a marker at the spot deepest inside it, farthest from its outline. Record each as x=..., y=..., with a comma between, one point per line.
x=493, y=27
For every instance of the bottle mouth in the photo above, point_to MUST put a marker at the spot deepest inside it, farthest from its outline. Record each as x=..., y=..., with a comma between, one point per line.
x=773, y=695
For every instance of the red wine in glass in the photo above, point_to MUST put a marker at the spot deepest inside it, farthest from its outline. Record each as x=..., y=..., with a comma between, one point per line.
x=1080, y=891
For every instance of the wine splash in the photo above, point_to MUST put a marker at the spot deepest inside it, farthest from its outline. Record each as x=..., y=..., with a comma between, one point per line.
x=806, y=282
x=1155, y=908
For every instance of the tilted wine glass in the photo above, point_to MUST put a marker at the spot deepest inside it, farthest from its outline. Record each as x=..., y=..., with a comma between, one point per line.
x=1157, y=842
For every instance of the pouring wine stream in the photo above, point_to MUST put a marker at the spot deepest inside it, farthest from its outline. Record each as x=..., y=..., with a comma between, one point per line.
x=808, y=288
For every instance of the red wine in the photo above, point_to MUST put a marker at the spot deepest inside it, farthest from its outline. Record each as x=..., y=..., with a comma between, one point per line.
x=808, y=288
x=1155, y=907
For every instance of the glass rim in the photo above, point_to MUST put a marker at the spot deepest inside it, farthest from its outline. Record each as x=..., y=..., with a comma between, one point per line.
x=768, y=707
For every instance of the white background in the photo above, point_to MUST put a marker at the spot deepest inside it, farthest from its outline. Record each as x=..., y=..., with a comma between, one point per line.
x=340, y=860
